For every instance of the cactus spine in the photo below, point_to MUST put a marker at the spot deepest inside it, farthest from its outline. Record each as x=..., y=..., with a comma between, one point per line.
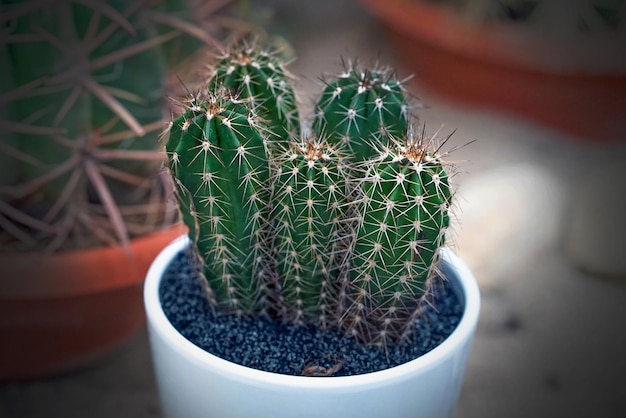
x=403, y=214
x=217, y=154
x=260, y=76
x=309, y=194
x=359, y=107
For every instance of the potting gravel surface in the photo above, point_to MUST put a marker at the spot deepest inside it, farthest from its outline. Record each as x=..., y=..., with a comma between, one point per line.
x=287, y=349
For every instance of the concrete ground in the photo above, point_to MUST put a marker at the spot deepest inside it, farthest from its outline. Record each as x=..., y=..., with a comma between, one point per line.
x=548, y=342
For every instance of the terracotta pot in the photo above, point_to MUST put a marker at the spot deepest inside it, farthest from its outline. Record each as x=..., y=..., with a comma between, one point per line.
x=575, y=87
x=65, y=310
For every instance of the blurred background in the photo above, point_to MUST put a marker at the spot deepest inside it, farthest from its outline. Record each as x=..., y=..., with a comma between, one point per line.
x=540, y=85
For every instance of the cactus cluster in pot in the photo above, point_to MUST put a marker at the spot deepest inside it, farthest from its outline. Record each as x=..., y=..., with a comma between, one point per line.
x=335, y=222
x=82, y=102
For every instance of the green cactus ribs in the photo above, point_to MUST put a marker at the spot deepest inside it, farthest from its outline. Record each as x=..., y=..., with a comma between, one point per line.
x=402, y=215
x=309, y=194
x=217, y=156
x=260, y=76
x=361, y=105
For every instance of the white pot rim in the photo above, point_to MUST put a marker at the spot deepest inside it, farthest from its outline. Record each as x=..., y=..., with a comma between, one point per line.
x=160, y=324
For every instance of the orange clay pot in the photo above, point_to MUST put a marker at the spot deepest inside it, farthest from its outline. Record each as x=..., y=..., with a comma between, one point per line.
x=576, y=87
x=65, y=310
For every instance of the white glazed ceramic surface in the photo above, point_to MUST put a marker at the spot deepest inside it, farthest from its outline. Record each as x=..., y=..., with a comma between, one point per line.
x=193, y=383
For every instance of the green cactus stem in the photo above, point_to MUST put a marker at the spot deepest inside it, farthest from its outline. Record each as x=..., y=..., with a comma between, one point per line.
x=403, y=215
x=217, y=156
x=309, y=200
x=260, y=76
x=360, y=107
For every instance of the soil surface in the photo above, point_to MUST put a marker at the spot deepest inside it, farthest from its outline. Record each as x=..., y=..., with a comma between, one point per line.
x=291, y=349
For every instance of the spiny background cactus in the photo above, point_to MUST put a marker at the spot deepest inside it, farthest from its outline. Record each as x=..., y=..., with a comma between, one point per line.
x=83, y=101
x=402, y=215
x=360, y=106
x=308, y=211
x=261, y=76
x=217, y=155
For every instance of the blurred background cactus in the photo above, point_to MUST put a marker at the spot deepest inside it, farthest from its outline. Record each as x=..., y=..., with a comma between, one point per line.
x=345, y=230
x=83, y=99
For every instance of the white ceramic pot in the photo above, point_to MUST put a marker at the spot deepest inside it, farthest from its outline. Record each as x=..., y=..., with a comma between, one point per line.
x=194, y=383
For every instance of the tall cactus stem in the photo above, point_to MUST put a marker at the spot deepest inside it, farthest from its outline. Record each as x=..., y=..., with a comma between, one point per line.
x=217, y=155
x=402, y=212
x=309, y=196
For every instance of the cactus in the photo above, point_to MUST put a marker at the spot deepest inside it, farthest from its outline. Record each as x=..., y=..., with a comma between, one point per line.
x=260, y=76
x=84, y=95
x=302, y=229
x=308, y=205
x=360, y=107
x=402, y=217
x=217, y=155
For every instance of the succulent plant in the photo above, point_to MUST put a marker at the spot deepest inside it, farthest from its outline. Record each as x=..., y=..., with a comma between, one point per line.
x=308, y=215
x=260, y=76
x=218, y=157
x=402, y=213
x=83, y=87
x=302, y=229
x=360, y=106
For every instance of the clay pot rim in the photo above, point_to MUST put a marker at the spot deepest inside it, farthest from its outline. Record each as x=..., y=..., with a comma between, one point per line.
x=33, y=275
x=500, y=43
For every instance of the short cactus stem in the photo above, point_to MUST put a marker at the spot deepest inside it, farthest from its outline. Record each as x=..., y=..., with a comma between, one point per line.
x=309, y=195
x=217, y=156
x=402, y=215
x=360, y=107
x=260, y=76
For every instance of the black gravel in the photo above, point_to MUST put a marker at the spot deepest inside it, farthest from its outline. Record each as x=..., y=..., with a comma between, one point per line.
x=288, y=349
